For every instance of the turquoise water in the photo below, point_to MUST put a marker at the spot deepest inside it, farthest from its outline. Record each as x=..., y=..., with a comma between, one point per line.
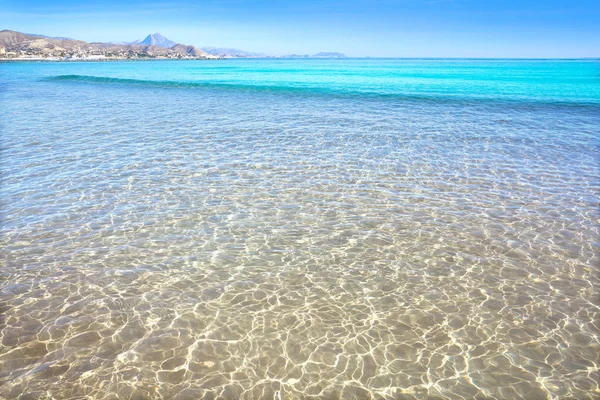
x=391, y=229
x=570, y=82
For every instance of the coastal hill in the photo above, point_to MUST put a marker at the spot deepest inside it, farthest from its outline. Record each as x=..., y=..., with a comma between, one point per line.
x=189, y=50
x=20, y=45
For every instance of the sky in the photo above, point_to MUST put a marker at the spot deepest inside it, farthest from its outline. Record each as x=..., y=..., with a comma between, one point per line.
x=358, y=28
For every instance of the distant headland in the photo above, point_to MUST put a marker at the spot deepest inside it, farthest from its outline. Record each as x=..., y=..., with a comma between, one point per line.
x=22, y=46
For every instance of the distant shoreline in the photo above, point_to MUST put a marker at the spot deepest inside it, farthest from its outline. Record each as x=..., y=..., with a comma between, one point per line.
x=9, y=60
x=45, y=60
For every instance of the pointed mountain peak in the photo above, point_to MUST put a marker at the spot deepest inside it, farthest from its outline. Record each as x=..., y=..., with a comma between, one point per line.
x=156, y=40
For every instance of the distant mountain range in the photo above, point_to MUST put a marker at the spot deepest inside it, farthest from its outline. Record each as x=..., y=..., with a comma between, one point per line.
x=318, y=55
x=235, y=53
x=225, y=52
x=21, y=45
x=49, y=37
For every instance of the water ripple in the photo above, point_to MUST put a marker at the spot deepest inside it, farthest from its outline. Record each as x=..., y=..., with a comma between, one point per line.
x=177, y=244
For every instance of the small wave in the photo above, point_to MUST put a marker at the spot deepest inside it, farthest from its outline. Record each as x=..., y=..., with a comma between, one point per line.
x=323, y=91
x=125, y=81
x=186, y=84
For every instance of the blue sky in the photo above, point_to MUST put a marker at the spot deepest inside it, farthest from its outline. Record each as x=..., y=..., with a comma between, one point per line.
x=376, y=28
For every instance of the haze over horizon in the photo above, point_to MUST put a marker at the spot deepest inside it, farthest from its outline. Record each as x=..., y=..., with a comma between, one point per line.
x=376, y=28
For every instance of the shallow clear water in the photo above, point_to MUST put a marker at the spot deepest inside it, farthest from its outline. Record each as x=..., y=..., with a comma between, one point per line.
x=393, y=229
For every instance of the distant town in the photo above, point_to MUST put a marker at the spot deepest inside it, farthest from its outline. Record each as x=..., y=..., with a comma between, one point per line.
x=22, y=46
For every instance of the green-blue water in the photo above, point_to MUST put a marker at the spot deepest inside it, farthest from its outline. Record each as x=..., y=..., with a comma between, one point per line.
x=391, y=229
x=546, y=81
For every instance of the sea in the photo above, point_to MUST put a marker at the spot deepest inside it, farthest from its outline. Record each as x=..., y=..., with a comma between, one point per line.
x=300, y=229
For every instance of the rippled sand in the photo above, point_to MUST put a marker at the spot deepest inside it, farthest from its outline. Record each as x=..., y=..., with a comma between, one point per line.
x=261, y=246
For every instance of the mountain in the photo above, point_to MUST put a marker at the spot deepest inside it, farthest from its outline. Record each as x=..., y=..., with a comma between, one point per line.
x=296, y=56
x=318, y=55
x=329, y=55
x=156, y=40
x=49, y=37
x=16, y=44
x=225, y=52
